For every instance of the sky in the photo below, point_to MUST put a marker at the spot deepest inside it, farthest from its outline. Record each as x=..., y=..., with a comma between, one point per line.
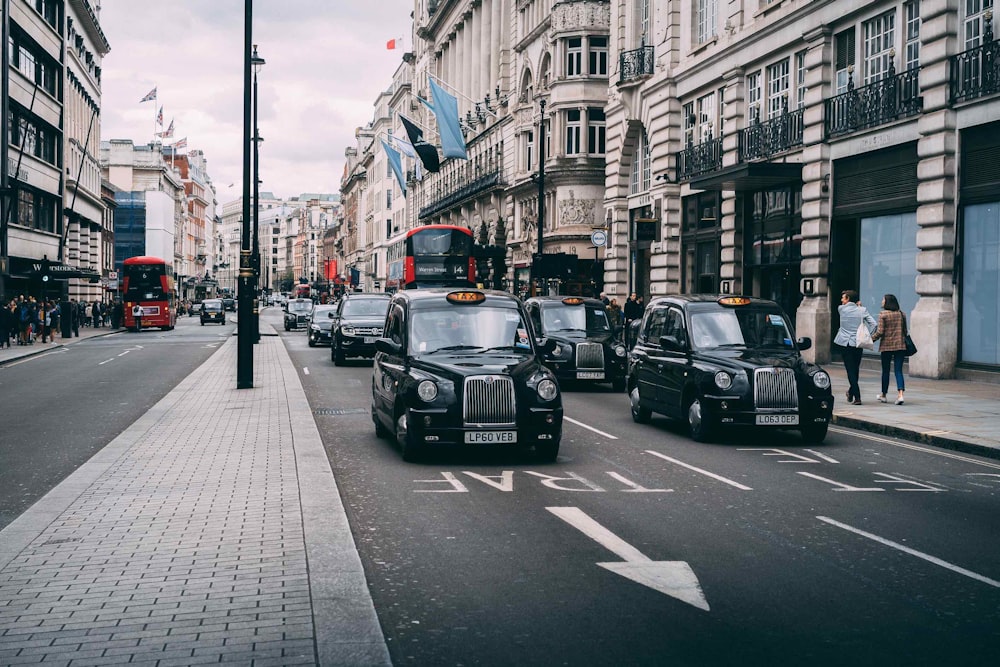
x=326, y=62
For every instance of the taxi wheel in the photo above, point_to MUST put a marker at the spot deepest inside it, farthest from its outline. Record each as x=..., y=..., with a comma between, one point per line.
x=700, y=429
x=407, y=446
x=380, y=430
x=547, y=452
x=618, y=385
x=815, y=432
x=640, y=415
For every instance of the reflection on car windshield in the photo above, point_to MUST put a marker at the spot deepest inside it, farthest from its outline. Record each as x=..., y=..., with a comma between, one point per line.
x=477, y=328
x=300, y=306
x=739, y=328
x=591, y=319
x=366, y=308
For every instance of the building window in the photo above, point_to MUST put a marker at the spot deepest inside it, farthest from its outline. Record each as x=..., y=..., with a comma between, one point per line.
x=643, y=12
x=844, y=54
x=911, y=14
x=800, y=79
x=529, y=153
x=708, y=12
x=640, y=179
x=777, y=88
x=388, y=199
x=596, y=131
x=753, y=96
x=879, y=39
x=574, y=56
x=706, y=117
x=975, y=21
x=598, y=56
x=690, y=120
x=573, y=130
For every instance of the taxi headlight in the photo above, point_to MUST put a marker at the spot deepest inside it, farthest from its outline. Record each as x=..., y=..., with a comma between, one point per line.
x=620, y=350
x=821, y=379
x=427, y=391
x=547, y=390
x=723, y=380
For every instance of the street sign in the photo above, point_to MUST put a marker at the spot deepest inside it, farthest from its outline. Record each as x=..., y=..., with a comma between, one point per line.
x=599, y=237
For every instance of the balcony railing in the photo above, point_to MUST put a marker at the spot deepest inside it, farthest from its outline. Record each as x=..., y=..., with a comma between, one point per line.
x=466, y=190
x=699, y=159
x=976, y=73
x=635, y=64
x=775, y=135
x=893, y=97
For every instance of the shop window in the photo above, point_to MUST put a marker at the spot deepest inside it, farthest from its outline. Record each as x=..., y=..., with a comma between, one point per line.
x=888, y=260
x=981, y=283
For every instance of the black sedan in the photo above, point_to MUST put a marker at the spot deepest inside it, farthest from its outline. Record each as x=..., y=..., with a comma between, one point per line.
x=357, y=323
x=297, y=313
x=461, y=367
x=212, y=310
x=587, y=347
x=720, y=361
x=321, y=324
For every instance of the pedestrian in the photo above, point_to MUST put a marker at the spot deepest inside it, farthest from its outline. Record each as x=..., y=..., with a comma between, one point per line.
x=632, y=309
x=74, y=317
x=117, y=313
x=137, y=316
x=604, y=298
x=852, y=314
x=97, y=314
x=7, y=323
x=614, y=313
x=891, y=333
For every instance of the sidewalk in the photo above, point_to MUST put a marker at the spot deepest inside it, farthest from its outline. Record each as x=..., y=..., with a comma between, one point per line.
x=210, y=530
x=15, y=351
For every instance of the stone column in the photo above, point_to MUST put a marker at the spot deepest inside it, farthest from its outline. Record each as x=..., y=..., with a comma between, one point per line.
x=731, y=255
x=934, y=319
x=813, y=318
x=485, y=53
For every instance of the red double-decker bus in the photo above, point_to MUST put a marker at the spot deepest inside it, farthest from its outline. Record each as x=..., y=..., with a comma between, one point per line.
x=149, y=281
x=431, y=256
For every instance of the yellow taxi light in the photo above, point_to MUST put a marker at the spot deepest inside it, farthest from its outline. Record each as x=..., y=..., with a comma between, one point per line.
x=572, y=301
x=734, y=301
x=466, y=297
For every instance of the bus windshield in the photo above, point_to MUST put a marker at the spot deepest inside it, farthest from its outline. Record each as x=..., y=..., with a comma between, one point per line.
x=145, y=282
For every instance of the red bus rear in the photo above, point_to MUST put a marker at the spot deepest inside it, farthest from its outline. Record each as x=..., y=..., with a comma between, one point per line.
x=431, y=256
x=149, y=281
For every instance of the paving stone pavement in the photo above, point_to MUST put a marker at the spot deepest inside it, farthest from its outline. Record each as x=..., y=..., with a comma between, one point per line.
x=211, y=530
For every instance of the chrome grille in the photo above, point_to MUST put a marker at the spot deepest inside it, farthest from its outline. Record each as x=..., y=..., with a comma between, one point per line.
x=489, y=399
x=774, y=389
x=368, y=331
x=590, y=355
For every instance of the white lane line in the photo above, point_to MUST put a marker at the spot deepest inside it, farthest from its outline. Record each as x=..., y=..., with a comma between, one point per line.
x=917, y=448
x=699, y=470
x=591, y=428
x=305, y=370
x=912, y=552
x=822, y=456
x=106, y=361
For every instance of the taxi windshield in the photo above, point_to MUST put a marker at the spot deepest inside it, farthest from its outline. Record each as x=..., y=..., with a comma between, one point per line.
x=365, y=308
x=743, y=327
x=300, y=306
x=561, y=318
x=477, y=328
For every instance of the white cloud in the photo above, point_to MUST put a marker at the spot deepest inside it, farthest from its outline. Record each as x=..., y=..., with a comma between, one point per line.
x=326, y=64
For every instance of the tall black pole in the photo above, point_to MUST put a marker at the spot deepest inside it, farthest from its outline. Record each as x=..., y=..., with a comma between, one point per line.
x=244, y=332
x=541, y=186
x=5, y=199
x=256, y=205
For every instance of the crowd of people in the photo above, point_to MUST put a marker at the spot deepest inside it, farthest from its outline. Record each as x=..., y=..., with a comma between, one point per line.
x=26, y=320
x=620, y=315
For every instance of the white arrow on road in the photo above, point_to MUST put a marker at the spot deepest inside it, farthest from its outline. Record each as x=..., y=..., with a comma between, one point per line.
x=672, y=577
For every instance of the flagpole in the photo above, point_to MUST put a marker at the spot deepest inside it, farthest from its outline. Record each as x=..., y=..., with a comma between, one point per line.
x=464, y=97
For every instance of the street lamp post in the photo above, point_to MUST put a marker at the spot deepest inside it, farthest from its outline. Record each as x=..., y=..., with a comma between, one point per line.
x=537, y=264
x=244, y=350
x=257, y=63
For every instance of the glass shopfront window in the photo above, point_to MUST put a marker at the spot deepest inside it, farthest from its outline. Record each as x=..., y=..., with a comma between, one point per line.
x=773, y=253
x=980, y=323
x=889, y=261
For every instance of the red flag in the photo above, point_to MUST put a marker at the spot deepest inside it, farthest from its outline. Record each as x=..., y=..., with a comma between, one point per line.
x=395, y=43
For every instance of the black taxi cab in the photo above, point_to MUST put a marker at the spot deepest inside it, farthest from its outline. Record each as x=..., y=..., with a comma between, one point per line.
x=587, y=347
x=462, y=367
x=718, y=361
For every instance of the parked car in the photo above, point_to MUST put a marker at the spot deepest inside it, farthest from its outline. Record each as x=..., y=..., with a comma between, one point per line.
x=356, y=324
x=721, y=361
x=212, y=310
x=229, y=303
x=587, y=346
x=321, y=325
x=461, y=367
x=297, y=313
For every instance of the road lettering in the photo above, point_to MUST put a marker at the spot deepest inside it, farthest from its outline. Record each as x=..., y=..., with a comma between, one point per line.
x=791, y=457
x=840, y=486
x=504, y=482
x=724, y=480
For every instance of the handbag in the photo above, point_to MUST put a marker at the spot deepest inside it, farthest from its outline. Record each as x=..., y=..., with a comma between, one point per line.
x=911, y=349
x=863, y=337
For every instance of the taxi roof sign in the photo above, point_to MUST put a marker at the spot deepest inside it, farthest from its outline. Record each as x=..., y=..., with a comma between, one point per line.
x=572, y=301
x=734, y=301
x=466, y=297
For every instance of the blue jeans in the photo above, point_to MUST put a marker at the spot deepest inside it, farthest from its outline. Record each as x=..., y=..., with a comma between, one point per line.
x=896, y=358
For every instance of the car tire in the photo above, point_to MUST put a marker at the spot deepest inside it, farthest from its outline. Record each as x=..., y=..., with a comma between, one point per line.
x=203, y=323
x=815, y=433
x=640, y=415
x=547, y=452
x=312, y=343
x=699, y=429
x=338, y=355
x=407, y=446
x=618, y=385
x=380, y=430
x=286, y=328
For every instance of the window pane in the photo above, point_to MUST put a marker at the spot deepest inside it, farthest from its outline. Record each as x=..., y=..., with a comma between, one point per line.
x=889, y=261
x=981, y=284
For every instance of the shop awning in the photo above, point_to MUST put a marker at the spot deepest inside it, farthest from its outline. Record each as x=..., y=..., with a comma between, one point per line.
x=750, y=176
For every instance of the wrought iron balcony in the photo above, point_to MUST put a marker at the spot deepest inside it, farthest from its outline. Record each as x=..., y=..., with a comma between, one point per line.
x=635, y=64
x=893, y=97
x=775, y=135
x=465, y=190
x=976, y=73
x=699, y=159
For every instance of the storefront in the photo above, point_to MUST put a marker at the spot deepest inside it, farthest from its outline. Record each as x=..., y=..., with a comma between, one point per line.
x=772, y=234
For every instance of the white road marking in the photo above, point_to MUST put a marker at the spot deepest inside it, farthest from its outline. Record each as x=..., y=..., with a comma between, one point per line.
x=842, y=486
x=305, y=370
x=912, y=552
x=699, y=470
x=636, y=488
x=917, y=448
x=822, y=456
x=796, y=458
x=105, y=361
x=591, y=428
x=673, y=578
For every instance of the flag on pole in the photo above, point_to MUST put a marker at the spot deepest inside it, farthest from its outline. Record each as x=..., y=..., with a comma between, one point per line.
x=446, y=112
x=170, y=130
x=181, y=143
x=394, y=43
x=428, y=154
x=406, y=148
x=397, y=166
x=159, y=117
x=151, y=95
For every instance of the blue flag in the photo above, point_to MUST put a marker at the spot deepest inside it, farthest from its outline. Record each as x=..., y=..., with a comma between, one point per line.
x=446, y=112
x=396, y=164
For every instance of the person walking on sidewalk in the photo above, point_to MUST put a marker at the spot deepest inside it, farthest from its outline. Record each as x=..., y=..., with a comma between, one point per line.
x=137, y=315
x=852, y=314
x=7, y=323
x=891, y=332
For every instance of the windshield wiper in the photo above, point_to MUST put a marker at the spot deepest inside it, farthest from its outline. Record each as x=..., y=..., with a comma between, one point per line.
x=567, y=329
x=451, y=348
x=507, y=347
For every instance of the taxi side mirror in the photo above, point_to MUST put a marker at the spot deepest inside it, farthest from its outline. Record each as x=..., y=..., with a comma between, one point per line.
x=545, y=345
x=388, y=346
x=672, y=343
x=804, y=343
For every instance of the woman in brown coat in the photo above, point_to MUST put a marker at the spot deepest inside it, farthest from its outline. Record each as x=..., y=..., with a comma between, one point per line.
x=892, y=332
